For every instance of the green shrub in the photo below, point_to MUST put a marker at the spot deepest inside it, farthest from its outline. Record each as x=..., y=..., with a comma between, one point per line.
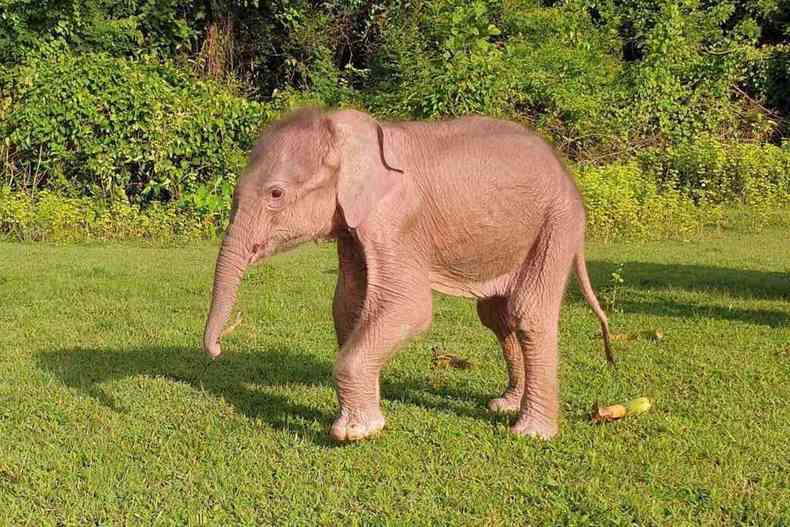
x=439, y=58
x=565, y=69
x=118, y=27
x=92, y=124
x=54, y=217
x=730, y=174
x=546, y=66
x=567, y=77
x=622, y=201
x=724, y=172
x=103, y=105
x=768, y=79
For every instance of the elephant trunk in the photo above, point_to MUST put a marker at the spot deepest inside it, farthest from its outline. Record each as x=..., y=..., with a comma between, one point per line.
x=231, y=263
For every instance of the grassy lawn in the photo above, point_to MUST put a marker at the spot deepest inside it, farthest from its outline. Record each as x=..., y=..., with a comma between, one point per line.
x=108, y=415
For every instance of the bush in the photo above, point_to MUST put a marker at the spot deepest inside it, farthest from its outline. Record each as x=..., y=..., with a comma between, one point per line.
x=95, y=125
x=666, y=105
x=624, y=202
x=708, y=170
x=768, y=79
x=440, y=58
x=54, y=217
x=548, y=67
x=567, y=78
x=723, y=172
x=684, y=59
x=121, y=28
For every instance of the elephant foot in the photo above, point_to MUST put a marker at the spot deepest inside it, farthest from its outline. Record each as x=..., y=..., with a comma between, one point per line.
x=531, y=427
x=357, y=426
x=509, y=403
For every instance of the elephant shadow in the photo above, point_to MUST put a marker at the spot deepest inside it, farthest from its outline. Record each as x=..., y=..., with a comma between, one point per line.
x=235, y=377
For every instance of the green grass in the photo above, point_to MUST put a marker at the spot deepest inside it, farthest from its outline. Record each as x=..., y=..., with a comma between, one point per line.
x=107, y=415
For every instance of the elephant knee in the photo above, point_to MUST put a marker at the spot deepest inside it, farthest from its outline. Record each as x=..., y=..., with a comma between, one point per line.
x=348, y=368
x=422, y=318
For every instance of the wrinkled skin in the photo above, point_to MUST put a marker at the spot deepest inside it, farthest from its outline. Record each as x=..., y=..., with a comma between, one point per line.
x=472, y=207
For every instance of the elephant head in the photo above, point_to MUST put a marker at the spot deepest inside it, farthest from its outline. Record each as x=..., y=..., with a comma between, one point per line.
x=310, y=175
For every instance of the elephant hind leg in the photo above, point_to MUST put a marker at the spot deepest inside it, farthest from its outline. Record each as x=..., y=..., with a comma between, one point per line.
x=539, y=412
x=536, y=301
x=492, y=313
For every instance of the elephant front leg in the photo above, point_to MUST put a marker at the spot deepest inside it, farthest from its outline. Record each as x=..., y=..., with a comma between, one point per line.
x=380, y=330
x=350, y=291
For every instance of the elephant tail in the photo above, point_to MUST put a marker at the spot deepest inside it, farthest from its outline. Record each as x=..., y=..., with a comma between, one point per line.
x=589, y=296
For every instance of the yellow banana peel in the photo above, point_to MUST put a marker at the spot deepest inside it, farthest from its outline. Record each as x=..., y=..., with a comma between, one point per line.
x=617, y=411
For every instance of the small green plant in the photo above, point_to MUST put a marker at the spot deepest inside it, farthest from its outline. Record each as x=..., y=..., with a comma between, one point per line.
x=613, y=292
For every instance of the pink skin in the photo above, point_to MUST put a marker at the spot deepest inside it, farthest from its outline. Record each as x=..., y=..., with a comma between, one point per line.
x=472, y=207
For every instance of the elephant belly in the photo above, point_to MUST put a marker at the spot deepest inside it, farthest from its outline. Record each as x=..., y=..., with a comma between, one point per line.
x=469, y=289
x=479, y=268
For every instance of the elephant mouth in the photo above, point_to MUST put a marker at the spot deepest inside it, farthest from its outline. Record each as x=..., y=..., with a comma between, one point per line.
x=262, y=251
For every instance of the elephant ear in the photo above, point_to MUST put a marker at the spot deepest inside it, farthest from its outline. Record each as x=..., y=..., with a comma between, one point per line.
x=356, y=149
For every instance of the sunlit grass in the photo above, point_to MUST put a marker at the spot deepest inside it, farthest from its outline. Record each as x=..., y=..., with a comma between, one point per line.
x=109, y=416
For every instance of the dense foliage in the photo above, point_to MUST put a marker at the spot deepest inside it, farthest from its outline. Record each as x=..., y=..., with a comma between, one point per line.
x=148, y=101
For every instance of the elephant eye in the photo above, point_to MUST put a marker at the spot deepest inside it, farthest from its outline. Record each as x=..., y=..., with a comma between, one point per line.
x=276, y=193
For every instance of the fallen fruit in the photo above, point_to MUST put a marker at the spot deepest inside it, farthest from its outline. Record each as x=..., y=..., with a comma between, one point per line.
x=616, y=411
x=444, y=360
x=623, y=337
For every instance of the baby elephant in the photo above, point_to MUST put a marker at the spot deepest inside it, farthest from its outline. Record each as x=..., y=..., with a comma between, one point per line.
x=472, y=207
